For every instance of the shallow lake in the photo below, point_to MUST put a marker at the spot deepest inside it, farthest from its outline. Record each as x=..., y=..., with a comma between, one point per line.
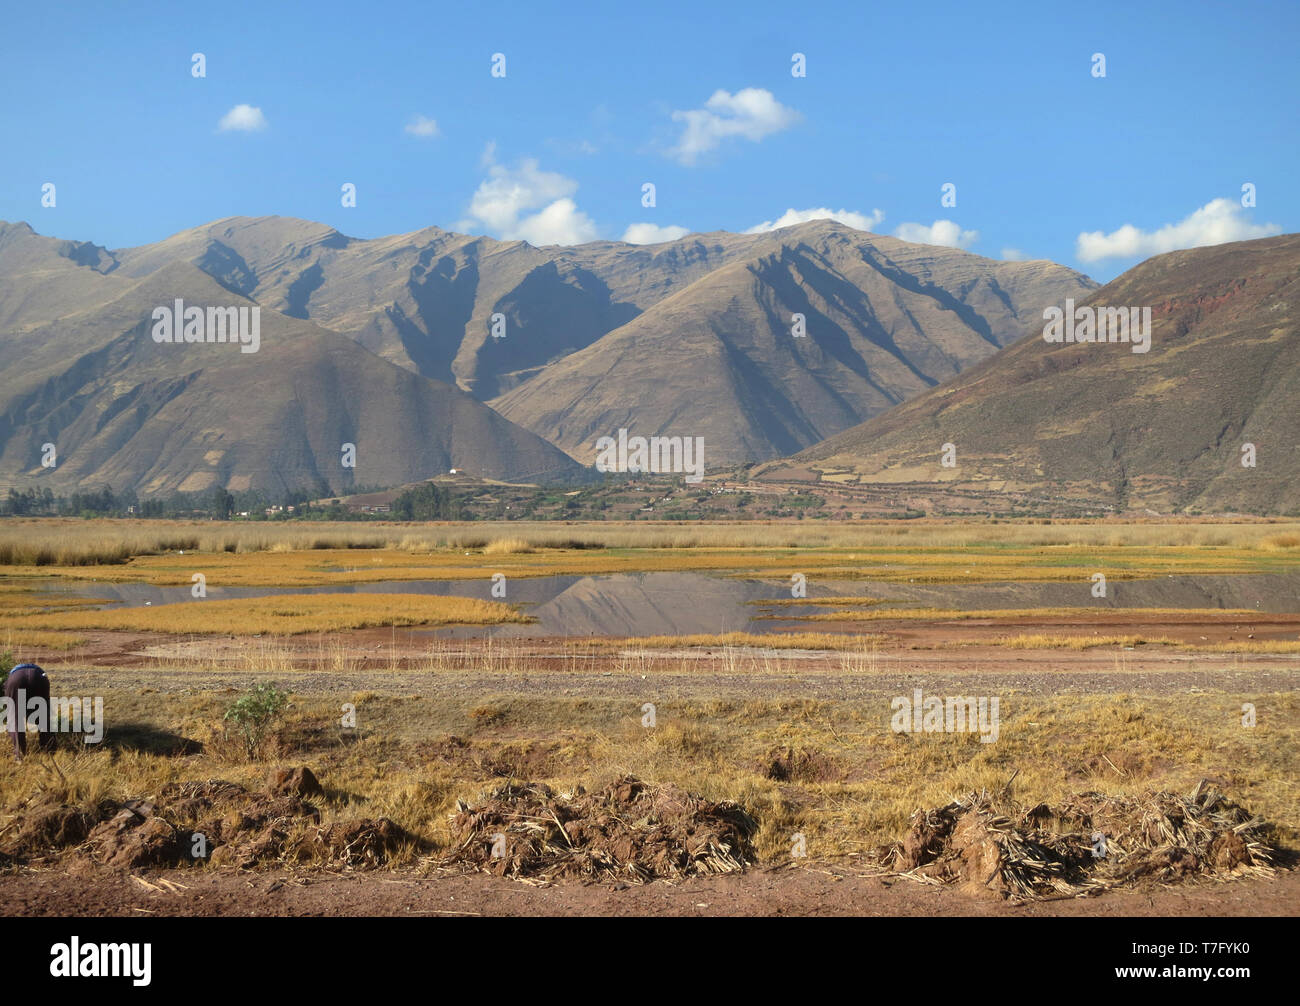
x=651, y=604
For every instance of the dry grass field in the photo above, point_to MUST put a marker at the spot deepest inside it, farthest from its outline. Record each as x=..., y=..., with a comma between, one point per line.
x=74, y=542
x=792, y=725
x=825, y=767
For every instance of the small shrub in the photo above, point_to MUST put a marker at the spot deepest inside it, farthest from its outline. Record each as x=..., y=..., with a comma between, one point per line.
x=254, y=713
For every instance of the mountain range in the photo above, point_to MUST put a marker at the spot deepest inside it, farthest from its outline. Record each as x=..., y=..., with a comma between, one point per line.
x=1206, y=420
x=433, y=349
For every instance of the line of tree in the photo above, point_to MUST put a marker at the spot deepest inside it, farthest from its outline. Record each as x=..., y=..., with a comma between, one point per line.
x=43, y=503
x=426, y=502
x=218, y=504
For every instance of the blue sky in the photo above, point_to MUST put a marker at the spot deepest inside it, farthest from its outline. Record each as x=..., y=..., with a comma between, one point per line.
x=698, y=99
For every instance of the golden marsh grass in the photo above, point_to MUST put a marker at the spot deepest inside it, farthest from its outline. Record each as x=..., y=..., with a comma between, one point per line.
x=71, y=542
x=282, y=614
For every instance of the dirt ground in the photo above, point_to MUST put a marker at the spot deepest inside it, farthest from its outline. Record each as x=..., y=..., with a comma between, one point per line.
x=916, y=654
x=395, y=662
x=799, y=891
x=973, y=643
x=803, y=674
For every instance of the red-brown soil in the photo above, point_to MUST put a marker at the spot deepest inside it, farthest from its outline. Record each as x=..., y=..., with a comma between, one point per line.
x=802, y=891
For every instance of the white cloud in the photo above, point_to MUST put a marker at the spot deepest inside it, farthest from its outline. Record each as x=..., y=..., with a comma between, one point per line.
x=244, y=118
x=1013, y=255
x=858, y=221
x=941, y=232
x=1215, y=223
x=560, y=223
x=422, y=125
x=504, y=201
x=653, y=234
x=752, y=113
x=507, y=193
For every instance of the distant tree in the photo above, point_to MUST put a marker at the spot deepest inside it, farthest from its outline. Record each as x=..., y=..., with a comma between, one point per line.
x=222, y=503
x=426, y=501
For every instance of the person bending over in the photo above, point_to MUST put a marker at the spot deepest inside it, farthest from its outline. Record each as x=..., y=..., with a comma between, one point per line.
x=27, y=681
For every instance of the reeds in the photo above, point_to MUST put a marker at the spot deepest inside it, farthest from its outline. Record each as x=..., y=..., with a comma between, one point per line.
x=283, y=614
x=74, y=542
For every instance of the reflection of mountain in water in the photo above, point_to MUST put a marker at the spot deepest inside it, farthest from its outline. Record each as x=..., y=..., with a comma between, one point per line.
x=521, y=591
x=619, y=604
x=656, y=604
x=647, y=604
x=1275, y=593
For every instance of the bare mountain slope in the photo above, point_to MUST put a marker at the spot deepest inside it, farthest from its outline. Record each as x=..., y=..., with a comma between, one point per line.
x=1163, y=430
x=885, y=320
x=691, y=337
x=124, y=410
x=426, y=300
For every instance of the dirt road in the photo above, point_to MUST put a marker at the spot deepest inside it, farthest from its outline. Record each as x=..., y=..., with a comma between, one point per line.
x=803, y=891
